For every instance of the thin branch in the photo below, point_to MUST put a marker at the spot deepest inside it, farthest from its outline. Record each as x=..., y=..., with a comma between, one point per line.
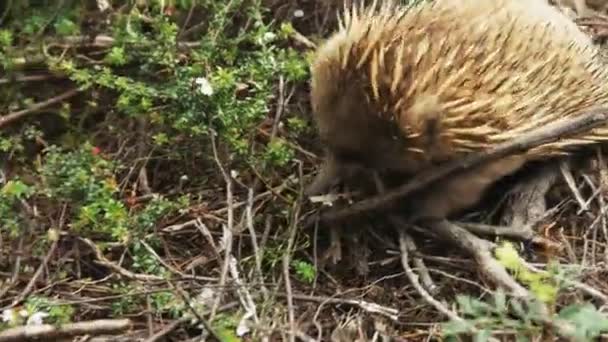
x=481, y=251
x=413, y=278
x=48, y=332
x=229, y=230
x=10, y=118
x=293, y=229
x=30, y=285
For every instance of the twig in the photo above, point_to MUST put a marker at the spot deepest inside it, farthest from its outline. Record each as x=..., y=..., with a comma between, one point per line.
x=521, y=233
x=257, y=253
x=52, y=332
x=369, y=307
x=200, y=318
x=425, y=276
x=564, y=168
x=228, y=231
x=149, y=318
x=30, y=285
x=287, y=258
x=414, y=280
x=16, y=268
x=7, y=10
x=546, y=134
x=186, y=22
x=167, y=329
x=27, y=78
x=171, y=268
x=10, y=118
x=399, y=224
x=102, y=260
x=480, y=249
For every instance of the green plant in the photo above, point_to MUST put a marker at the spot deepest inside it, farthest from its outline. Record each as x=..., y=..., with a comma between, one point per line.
x=57, y=313
x=305, y=271
x=526, y=318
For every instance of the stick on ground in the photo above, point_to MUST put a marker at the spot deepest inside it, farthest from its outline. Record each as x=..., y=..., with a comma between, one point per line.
x=48, y=332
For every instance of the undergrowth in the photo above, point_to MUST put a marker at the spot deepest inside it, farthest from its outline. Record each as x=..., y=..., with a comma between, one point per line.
x=174, y=161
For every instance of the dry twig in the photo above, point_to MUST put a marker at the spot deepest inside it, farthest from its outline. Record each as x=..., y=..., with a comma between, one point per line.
x=414, y=280
x=10, y=118
x=481, y=251
x=229, y=230
x=48, y=332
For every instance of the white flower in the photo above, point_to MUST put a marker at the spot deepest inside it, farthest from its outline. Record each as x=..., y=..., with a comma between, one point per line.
x=298, y=13
x=37, y=318
x=243, y=328
x=205, y=87
x=8, y=316
x=103, y=5
x=206, y=297
x=268, y=37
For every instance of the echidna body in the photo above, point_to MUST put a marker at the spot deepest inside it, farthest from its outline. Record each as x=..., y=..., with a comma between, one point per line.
x=403, y=88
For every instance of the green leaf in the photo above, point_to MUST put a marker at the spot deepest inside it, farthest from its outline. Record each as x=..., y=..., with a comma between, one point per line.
x=6, y=38
x=500, y=301
x=16, y=189
x=455, y=328
x=544, y=292
x=66, y=27
x=507, y=255
x=586, y=318
x=483, y=335
x=473, y=307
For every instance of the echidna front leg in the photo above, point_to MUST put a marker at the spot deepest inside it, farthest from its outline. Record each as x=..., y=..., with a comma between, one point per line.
x=331, y=172
x=327, y=177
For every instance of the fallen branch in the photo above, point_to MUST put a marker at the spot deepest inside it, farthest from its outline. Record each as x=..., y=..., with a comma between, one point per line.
x=369, y=307
x=48, y=332
x=481, y=250
x=527, y=141
x=416, y=284
x=10, y=118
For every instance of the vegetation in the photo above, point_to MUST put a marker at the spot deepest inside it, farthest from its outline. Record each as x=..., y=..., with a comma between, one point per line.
x=152, y=157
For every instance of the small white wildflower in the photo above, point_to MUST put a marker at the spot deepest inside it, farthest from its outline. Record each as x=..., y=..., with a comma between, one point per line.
x=37, y=318
x=23, y=313
x=298, y=13
x=206, y=297
x=225, y=237
x=234, y=173
x=103, y=5
x=268, y=37
x=205, y=87
x=8, y=316
x=243, y=327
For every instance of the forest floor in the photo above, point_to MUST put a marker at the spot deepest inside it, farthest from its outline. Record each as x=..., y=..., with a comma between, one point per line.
x=152, y=161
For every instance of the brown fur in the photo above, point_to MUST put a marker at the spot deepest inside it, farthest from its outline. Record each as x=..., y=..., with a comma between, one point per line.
x=400, y=89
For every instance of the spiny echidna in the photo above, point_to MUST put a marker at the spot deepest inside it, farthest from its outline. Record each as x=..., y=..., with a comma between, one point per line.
x=401, y=88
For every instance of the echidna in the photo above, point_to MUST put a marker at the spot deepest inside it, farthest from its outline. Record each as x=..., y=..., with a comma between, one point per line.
x=401, y=88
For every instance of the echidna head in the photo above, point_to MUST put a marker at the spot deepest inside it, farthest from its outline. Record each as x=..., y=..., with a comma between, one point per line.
x=354, y=135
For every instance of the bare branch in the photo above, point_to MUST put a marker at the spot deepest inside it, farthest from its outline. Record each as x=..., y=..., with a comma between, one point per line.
x=48, y=332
